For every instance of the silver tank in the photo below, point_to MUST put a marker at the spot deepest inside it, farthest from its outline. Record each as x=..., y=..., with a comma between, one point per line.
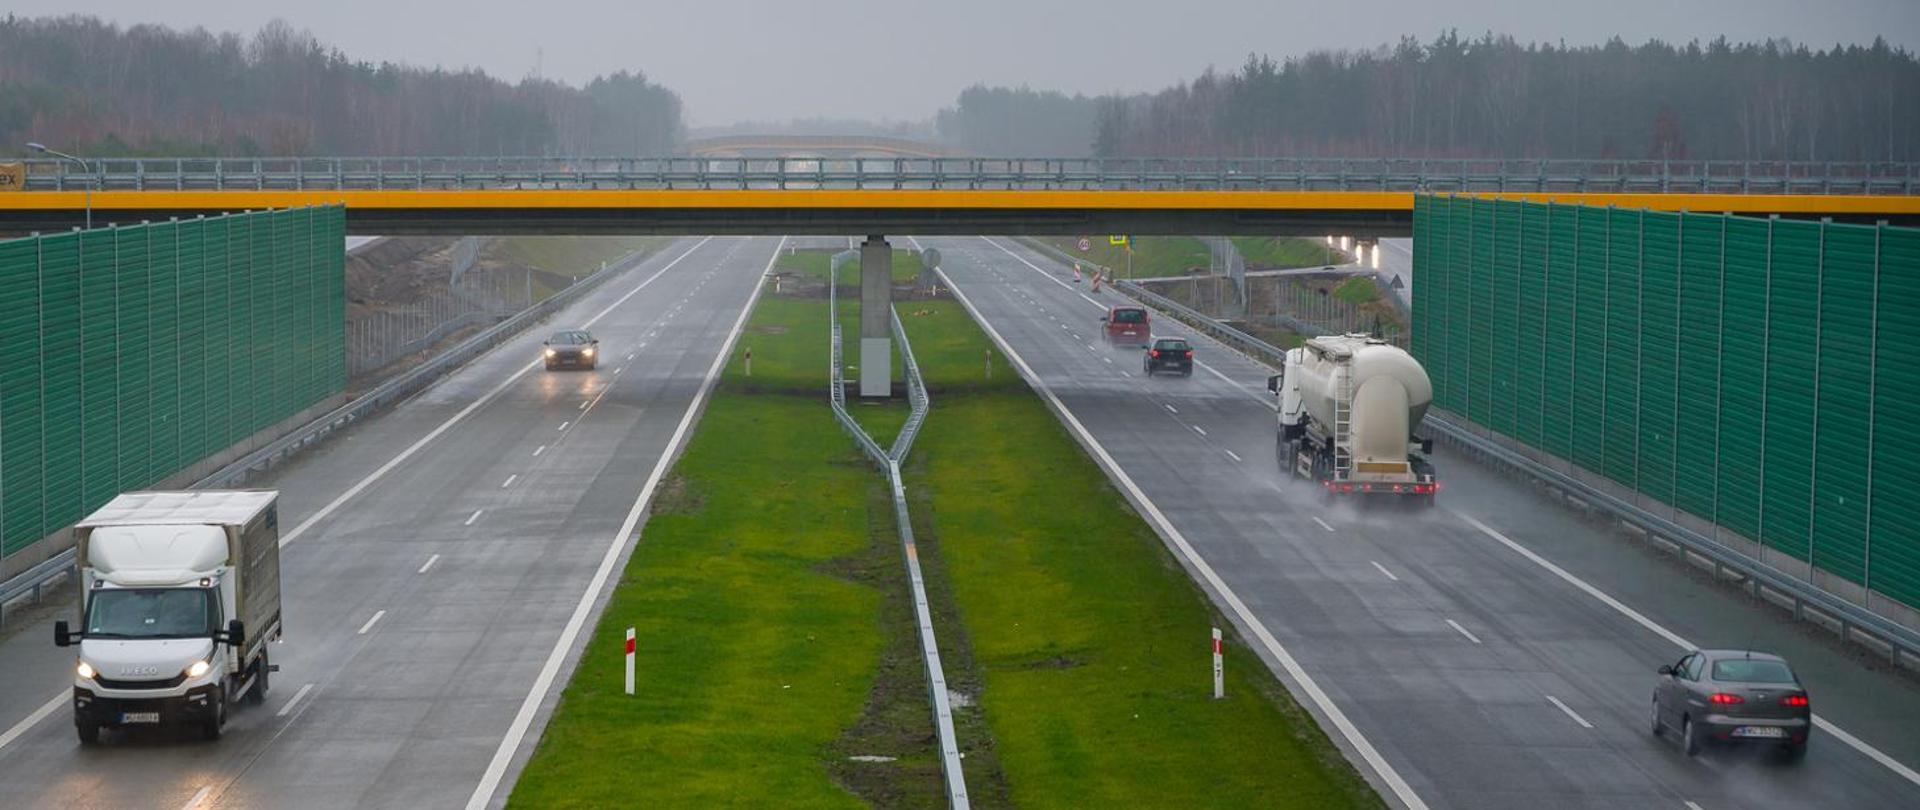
x=1390, y=391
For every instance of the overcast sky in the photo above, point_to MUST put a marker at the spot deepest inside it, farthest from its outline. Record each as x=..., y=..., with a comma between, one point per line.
x=735, y=60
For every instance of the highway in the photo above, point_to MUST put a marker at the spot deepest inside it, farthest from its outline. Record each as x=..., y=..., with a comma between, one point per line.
x=440, y=564
x=1480, y=655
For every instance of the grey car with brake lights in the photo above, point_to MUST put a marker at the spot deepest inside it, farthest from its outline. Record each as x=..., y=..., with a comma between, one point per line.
x=571, y=348
x=1732, y=696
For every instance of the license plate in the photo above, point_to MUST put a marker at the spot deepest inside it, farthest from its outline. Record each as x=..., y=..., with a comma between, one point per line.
x=1772, y=732
x=128, y=718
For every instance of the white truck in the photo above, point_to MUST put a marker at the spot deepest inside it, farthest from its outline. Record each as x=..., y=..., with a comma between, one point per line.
x=1349, y=405
x=179, y=596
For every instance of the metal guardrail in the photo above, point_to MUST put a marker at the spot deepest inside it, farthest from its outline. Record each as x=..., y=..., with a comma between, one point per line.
x=889, y=461
x=1247, y=174
x=32, y=581
x=1807, y=601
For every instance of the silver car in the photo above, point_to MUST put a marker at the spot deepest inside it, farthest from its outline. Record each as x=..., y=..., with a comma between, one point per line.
x=1732, y=696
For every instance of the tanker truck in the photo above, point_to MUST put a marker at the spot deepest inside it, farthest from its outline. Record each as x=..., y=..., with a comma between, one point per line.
x=1348, y=406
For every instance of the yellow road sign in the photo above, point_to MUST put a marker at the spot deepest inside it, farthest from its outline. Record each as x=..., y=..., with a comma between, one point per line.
x=1116, y=240
x=13, y=176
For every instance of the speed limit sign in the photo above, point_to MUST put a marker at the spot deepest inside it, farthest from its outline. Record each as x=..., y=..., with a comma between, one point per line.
x=1085, y=244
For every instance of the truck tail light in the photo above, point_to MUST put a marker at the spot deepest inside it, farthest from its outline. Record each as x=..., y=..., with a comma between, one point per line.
x=1796, y=701
x=1725, y=699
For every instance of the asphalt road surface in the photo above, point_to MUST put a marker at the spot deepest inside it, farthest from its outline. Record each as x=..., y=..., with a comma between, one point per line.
x=437, y=558
x=1438, y=649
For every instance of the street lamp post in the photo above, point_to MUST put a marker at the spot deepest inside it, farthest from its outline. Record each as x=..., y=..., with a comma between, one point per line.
x=85, y=170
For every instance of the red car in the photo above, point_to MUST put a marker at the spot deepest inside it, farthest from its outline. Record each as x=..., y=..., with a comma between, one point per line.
x=1127, y=326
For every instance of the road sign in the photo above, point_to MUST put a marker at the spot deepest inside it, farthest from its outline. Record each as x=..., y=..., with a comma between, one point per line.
x=1085, y=244
x=1396, y=283
x=1116, y=240
x=13, y=176
x=930, y=258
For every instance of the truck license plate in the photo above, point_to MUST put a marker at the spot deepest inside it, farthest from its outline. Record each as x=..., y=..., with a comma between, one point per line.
x=129, y=718
x=1760, y=731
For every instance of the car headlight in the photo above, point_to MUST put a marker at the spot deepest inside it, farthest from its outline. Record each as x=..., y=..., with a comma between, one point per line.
x=85, y=670
x=586, y=352
x=198, y=668
x=550, y=352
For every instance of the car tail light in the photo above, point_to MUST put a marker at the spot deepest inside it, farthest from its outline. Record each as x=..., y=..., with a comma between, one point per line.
x=1725, y=699
x=1153, y=352
x=1796, y=701
x=1189, y=354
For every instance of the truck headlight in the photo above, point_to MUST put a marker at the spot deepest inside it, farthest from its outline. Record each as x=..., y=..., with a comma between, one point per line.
x=85, y=670
x=198, y=668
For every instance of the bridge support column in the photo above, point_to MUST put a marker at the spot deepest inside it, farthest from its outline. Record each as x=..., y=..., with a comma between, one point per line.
x=876, y=311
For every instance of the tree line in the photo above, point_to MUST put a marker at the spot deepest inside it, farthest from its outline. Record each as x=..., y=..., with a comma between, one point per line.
x=104, y=90
x=1458, y=97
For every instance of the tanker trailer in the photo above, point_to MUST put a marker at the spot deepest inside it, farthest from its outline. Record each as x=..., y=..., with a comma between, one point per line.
x=1349, y=405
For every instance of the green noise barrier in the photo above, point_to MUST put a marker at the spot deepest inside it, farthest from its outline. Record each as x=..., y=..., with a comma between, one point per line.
x=1760, y=374
x=127, y=354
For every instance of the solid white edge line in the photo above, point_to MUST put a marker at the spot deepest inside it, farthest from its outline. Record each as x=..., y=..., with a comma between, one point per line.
x=40, y=714
x=1383, y=571
x=1570, y=712
x=297, y=696
x=1323, y=525
x=1820, y=722
x=509, y=744
x=1463, y=631
x=428, y=564
x=1093, y=301
x=1314, y=693
x=198, y=797
x=370, y=622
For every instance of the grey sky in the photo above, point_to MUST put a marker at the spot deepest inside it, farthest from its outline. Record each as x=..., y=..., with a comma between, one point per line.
x=903, y=59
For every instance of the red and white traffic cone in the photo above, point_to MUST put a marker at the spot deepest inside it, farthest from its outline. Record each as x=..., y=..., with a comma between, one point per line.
x=1076, y=272
x=1096, y=280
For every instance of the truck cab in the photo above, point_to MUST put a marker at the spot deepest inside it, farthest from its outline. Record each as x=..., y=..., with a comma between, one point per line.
x=179, y=596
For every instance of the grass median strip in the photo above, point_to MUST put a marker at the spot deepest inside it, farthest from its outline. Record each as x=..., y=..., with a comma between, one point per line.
x=773, y=643
x=1088, y=637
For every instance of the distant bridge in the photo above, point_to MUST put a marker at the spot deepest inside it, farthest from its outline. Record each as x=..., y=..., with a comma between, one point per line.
x=927, y=196
x=808, y=146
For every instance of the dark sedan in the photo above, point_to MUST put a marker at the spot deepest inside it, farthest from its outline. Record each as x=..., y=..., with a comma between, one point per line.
x=1168, y=354
x=571, y=348
x=1732, y=696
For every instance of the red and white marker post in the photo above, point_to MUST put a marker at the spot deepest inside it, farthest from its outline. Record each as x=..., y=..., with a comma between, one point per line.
x=1219, y=673
x=630, y=658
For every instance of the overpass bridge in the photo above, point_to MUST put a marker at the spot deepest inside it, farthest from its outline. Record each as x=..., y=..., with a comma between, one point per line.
x=926, y=195
x=806, y=146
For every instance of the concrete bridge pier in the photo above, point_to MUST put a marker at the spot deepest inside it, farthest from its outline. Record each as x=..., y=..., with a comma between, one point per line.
x=876, y=310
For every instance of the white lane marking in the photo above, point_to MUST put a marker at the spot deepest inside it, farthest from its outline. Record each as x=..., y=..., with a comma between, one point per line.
x=1125, y=373
x=297, y=696
x=429, y=564
x=503, y=755
x=1377, y=566
x=583, y=405
x=455, y=419
x=473, y=517
x=370, y=622
x=1108, y=359
x=1463, y=631
x=1323, y=525
x=538, y=450
x=618, y=370
x=1170, y=408
x=1692, y=806
x=1820, y=722
x=563, y=425
x=31, y=720
x=1198, y=429
x=1263, y=399
x=510, y=479
x=198, y=797
x=1317, y=696
x=1093, y=301
x=1570, y=713
x=630, y=354
x=1233, y=455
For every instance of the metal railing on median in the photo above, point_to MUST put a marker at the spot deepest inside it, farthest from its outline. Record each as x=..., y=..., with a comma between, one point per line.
x=889, y=461
x=1228, y=174
x=1762, y=581
x=31, y=582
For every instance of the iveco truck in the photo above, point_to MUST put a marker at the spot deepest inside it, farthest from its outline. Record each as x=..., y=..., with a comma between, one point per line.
x=1349, y=405
x=179, y=596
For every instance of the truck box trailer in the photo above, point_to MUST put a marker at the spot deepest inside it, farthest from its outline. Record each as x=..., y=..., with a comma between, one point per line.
x=179, y=597
x=1348, y=409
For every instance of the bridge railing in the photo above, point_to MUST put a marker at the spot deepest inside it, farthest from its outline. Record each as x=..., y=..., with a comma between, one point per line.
x=1230, y=174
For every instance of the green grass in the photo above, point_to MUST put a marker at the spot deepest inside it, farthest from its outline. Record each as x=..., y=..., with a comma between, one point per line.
x=1285, y=252
x=1089, y=638
x=1357, y=290
x=759, y=589
x=1161, y=256
x=812, y=264
x=572, y=255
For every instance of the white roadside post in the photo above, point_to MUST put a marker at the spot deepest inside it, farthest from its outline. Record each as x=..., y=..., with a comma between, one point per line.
x=1219, y=682
x=630, y=659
